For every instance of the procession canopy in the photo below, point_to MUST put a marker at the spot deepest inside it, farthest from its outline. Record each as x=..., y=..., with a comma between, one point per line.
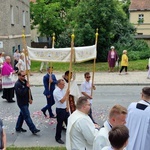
x=81, y=54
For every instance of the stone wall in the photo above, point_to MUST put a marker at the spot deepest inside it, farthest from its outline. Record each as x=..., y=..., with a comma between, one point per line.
x=12, y=24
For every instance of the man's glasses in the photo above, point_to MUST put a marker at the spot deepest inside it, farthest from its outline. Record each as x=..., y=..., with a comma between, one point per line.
x=88, y=77
x=23, y=75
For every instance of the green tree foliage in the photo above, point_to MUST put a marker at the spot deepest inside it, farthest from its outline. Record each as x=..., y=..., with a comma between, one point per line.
x=106, y=15
x=85, y=16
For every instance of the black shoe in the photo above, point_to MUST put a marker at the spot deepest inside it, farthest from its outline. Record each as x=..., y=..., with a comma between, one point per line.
x=3, y=97
x=11, y=101
x=63, y=128
x=21, y=130
x=44, y=112
x=60, y=141
x=35, y=131
x=53, y=117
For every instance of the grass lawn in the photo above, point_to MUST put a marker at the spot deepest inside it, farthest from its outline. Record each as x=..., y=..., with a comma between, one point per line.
x=36, y=148
x=139, y=65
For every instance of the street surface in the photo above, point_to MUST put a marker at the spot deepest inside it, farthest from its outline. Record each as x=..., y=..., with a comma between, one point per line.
x=104, y=98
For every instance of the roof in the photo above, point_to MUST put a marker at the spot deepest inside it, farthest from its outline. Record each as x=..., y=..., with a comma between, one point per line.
x=139, y=5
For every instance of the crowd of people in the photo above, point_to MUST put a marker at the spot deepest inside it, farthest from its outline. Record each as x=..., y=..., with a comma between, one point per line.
x=125, y=129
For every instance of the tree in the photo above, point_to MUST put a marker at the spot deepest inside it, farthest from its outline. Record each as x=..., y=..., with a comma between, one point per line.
x=49, y=15
x=106, y=15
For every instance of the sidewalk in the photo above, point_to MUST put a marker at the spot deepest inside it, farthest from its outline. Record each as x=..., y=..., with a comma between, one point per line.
x=100, y=78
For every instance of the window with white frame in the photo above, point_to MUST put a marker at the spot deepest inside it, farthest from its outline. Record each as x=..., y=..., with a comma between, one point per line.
x=24, y=18
x=12, y=14
x=17, y=15
x=27, y=17
x=141, y=18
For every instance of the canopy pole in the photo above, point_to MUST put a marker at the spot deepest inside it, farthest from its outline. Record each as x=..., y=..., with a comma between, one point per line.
x=53, y=43
x=26, y=54
x=70, y=66
x=94, y=62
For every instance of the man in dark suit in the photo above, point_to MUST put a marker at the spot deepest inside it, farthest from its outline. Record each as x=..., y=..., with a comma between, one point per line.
x=49, y=81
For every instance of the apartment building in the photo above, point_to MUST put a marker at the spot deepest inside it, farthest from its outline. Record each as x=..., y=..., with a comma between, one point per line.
x=140, y=17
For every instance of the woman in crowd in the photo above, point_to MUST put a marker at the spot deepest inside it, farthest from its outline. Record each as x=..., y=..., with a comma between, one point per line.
x=124, y=62
x=16, y=58
x=112, y=58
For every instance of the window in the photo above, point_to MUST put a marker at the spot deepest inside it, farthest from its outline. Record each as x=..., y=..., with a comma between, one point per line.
x=27, y=17
x=13, y=49
x=12, y=15
x=19, y=48
x=24, y=18
x=17, y=15
x=141, y=18
x=139, y=33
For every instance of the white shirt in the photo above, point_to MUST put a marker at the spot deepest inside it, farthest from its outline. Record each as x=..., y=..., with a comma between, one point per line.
x=86, y=87
x=138, y=123
x=74, y=89
x=101, y=140
x=58, y=95
x=107, y=148
x=21, y=65
x=80, y=132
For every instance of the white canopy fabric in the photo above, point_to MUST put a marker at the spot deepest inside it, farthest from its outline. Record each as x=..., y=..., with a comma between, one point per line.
x=81, y=54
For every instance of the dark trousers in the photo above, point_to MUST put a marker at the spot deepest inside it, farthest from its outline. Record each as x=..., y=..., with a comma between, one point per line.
x=8, y=94
x=25, y=115
x=90, y=115
x=50, y=103
x=62, y=116
x=123, y=68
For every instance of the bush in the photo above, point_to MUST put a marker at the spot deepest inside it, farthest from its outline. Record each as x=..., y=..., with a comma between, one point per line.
x=144, y=54
x=134, y=55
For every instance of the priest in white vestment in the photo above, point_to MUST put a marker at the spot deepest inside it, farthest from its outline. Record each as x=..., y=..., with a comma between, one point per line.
x=80, y=129
x=138, y=122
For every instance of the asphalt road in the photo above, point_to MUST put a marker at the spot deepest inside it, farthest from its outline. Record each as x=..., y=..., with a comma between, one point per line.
x=104, y=98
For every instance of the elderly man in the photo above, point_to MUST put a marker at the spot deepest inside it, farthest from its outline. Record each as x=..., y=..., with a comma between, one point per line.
x=8, y=80
x=117, y=116
x=61, y=97
x=80, y=130
x=138, y=122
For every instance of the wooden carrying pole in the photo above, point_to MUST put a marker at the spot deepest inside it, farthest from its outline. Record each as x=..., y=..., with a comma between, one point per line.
x=53, y=42
x=96, y=39
x=70, y=101
x=26, y=54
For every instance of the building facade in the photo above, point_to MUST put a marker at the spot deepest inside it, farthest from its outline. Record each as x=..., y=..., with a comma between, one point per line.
x=15, y=18
x=140, y=17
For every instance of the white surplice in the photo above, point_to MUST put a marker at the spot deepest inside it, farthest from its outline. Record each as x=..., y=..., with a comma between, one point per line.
x=101, y=140
x=80, y=132
x=138, y=123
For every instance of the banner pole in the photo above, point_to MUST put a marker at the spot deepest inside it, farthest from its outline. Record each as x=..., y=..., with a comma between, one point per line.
x=94, y=62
